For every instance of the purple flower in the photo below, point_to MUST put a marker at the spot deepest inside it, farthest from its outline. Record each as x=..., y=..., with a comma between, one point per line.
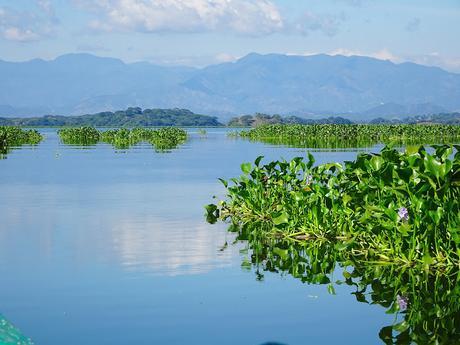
x=403, y=214
x=402, y=302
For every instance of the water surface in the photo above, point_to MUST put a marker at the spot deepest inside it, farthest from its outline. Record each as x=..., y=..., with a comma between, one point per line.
x=106, y=246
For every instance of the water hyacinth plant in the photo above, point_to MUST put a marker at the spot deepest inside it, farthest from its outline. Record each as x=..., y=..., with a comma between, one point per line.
x=162, y=139
x=351, y=136
x=79, y=136
x=167, y=138
x=389, y=207
x=15, y=136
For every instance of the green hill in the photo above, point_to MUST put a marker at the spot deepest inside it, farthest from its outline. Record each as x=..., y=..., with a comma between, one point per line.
x=132, y=117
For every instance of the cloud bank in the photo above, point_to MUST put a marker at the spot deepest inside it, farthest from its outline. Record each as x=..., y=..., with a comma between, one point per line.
x=27, y=26
x=252, y=17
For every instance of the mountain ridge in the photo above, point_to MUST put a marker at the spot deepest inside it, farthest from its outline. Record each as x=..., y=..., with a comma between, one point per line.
x=75, y=84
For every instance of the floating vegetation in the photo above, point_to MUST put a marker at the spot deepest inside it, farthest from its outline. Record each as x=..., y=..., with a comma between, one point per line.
x=79, y=136
x=390, y=207
x=347, y=136
x=168, y=138
x=15, y=136
x=425, y=304
x=124, y=138
x=162, y=139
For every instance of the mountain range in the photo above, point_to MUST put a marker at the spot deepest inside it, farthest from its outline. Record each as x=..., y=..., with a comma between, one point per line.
x=356, y=87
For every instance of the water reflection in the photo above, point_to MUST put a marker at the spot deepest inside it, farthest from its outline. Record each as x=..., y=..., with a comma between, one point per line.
x=339, y=144
x=426, y=305
x=168, y=247
x=111, y=224
x=114, y=241
x=6, y=150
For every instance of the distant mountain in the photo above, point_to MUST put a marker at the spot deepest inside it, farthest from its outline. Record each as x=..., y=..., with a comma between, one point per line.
x=132, y=117
x=275, y=84
x=443, y=118
x=83, y=83
x=392, y=110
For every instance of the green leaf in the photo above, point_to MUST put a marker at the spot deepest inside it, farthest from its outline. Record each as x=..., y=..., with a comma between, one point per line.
x=311, y=160
x=376, y=162
x=386, y=335
x=432, y=165
x=412, y=150
x=281, y=219
x=246, y=168
x=330, y=289
x=401, y=327
x=246, y=265
x=360, y=297
x=282, y=253
x=225, y=183
x=210, y=208
x=297, y=196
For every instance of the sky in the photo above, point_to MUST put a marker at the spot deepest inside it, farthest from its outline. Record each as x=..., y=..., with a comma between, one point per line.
x=202, y=32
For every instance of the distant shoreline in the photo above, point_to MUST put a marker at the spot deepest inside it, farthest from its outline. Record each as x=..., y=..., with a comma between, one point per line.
x=151, y=118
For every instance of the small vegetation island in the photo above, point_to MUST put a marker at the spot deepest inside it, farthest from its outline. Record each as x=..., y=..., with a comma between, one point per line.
x=351, y=135
x=132, y=117
x=387, y=224
x=13, y=136
x=388, y=207
x=265, y=119
x=166, y=138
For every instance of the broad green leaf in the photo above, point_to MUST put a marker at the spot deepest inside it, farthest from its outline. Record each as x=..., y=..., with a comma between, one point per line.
x=376, y=162
x=283, y=218
x=432, y=165
x=246, y=168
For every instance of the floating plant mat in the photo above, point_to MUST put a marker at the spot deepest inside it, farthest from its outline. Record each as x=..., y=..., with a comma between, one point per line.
x=390, y=207
x=11, y=137
x=350, y=136
x=425, y=304
x=163, y=139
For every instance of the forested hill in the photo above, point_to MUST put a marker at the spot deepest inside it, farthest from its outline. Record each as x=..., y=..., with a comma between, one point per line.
x=132, y=117
x=264, y=119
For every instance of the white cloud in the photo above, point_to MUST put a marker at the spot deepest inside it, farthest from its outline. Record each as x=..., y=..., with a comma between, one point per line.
x=190, y=60
x=225, y=57
x=383, y=54
x=449, y=63
x=27, y=26
x=12, y=33
x=253, y=17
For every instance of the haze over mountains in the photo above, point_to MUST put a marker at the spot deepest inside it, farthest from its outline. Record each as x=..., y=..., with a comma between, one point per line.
x=316, y=85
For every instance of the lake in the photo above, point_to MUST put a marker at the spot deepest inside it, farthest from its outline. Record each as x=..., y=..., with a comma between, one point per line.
x=106, y=246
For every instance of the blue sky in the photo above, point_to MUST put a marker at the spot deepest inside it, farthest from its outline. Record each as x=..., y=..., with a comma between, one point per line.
x=202, y=32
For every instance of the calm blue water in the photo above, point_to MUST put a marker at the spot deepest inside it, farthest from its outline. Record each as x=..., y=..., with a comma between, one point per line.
x=99, y=246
